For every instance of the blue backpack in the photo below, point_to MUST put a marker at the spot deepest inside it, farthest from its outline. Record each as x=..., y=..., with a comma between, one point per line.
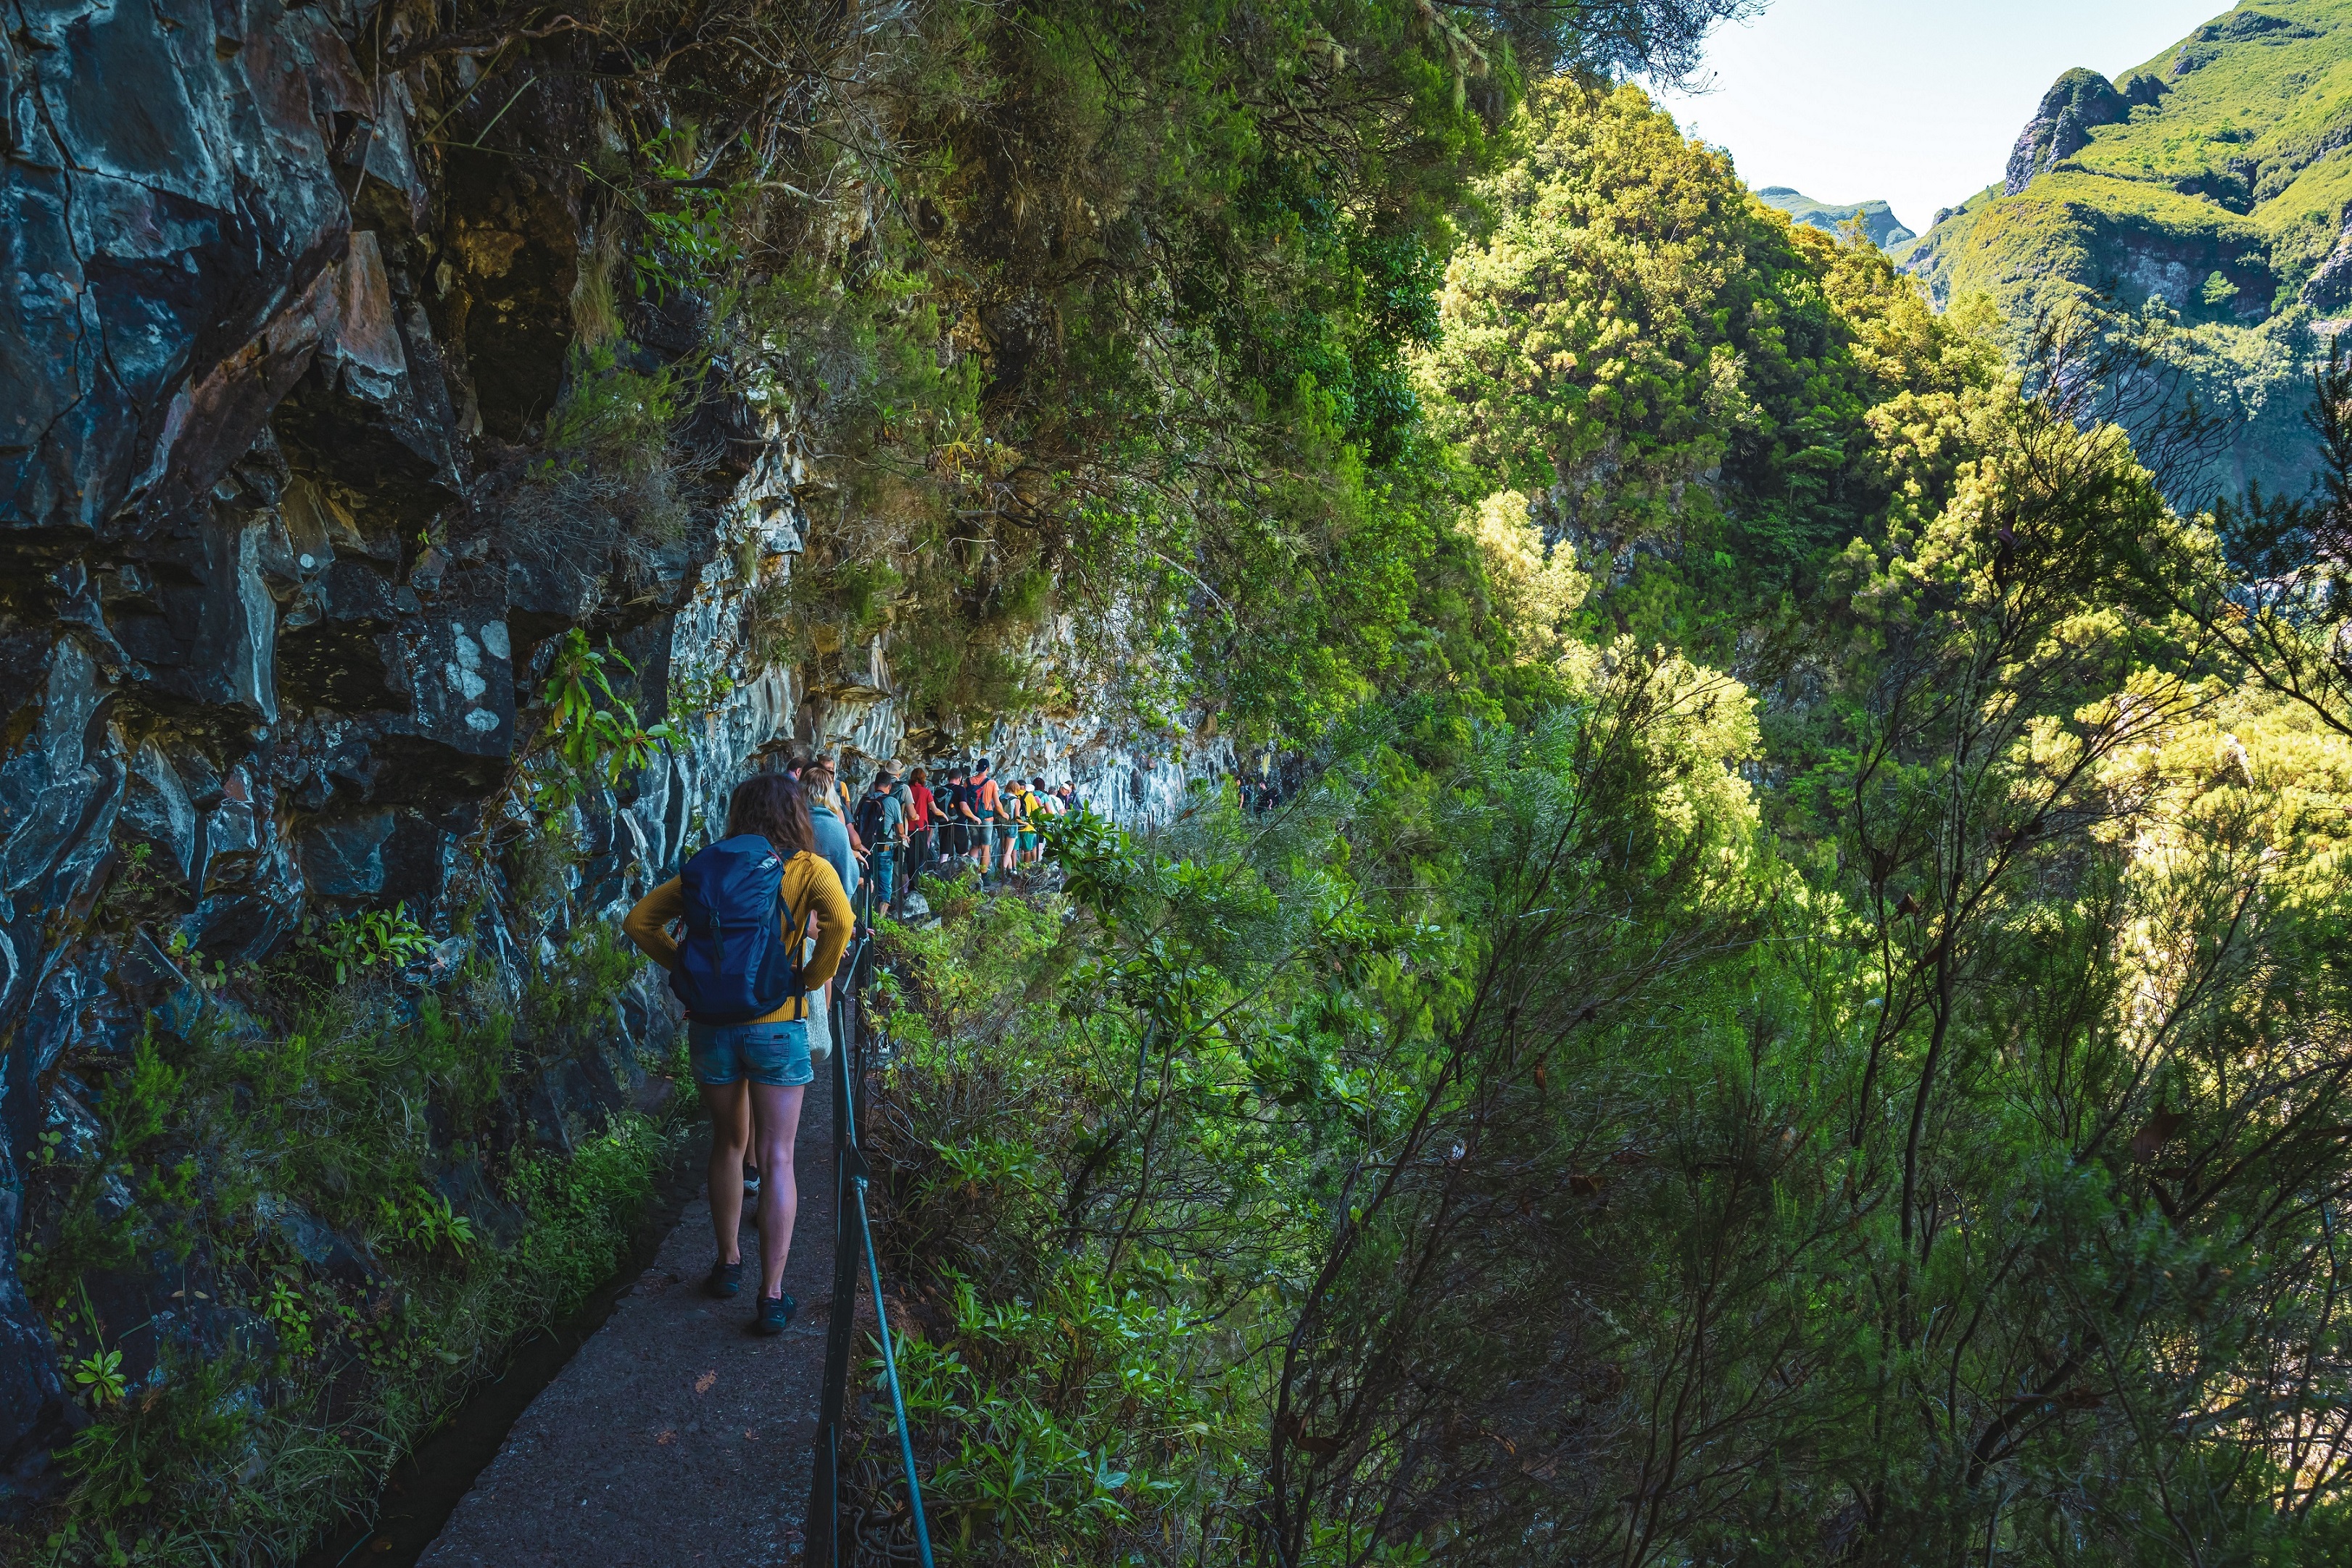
x=733, y=965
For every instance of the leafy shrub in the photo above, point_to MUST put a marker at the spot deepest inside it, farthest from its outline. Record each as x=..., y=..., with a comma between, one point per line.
x=374, y=939
x=591, y=738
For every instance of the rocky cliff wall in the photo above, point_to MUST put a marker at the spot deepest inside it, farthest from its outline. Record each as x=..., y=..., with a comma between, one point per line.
x=280, y=570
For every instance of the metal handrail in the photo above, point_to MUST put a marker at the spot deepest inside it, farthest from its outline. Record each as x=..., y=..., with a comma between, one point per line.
x=824, y=1545
x=891, y=1373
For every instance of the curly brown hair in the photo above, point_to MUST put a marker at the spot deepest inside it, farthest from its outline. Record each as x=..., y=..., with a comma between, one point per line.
x=775, y=807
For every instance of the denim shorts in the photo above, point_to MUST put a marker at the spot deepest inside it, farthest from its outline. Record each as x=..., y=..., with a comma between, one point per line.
x=774, y=1054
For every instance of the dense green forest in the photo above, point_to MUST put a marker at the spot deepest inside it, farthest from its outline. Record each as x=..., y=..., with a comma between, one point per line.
x=1806, y=1026
x=1793, y=1008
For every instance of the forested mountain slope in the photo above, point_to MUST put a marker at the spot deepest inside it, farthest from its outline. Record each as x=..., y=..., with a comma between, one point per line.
x=1832, y=1049
x=2216, y=175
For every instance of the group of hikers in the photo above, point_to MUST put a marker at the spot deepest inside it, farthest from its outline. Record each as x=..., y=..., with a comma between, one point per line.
x=766, y=915
x=908, y=824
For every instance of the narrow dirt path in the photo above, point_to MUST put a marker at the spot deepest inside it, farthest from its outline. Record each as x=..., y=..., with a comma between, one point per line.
x=674, y=1437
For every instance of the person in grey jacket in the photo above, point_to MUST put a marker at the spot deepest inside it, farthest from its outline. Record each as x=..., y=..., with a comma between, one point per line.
x=832, y=843
x=832, y=833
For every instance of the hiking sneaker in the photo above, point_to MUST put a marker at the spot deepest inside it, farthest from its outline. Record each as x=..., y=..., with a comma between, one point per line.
x=775, y=1314
x=725, y=1281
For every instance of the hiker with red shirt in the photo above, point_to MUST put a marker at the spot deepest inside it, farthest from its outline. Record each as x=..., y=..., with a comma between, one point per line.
x=919, y=836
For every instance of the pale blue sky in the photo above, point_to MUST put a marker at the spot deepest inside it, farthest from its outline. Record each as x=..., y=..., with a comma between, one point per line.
x=1914, y=101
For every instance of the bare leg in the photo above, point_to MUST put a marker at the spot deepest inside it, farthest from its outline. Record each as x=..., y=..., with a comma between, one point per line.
x=778, y=1112
x=730, y=1130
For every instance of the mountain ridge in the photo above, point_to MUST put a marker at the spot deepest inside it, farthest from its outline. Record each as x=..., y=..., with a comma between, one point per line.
x=1878, y=220
x=2214, y=177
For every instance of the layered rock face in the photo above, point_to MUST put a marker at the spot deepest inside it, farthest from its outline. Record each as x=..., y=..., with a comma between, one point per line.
x=276, y=590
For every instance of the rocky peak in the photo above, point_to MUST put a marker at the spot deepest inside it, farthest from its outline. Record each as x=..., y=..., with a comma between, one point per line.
x=2076, y=104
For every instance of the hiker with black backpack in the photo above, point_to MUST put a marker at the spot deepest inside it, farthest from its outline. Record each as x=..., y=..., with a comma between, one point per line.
x=882, y=824
x=903, y=791
x=751, y=904
x=963, y=815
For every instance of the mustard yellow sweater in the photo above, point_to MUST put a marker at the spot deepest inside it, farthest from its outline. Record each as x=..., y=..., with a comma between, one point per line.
x=811, y=886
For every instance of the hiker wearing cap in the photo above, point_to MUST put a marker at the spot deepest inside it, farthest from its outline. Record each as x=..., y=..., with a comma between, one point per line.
x=905, y=794
x=765, y=924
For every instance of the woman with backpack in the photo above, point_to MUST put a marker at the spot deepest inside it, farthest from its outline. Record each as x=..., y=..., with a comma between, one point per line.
x=750, y=903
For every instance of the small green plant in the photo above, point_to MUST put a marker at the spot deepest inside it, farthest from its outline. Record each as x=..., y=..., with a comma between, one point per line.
x=186, y=1425
x=291, y=1314
x=611, y=415
x=375, y=938
x=100, y=1375
x=691, y=243
x=108, y=1548
x=426, y=1221
x=136, y=884
x=698, y=690
x=138, y=1107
